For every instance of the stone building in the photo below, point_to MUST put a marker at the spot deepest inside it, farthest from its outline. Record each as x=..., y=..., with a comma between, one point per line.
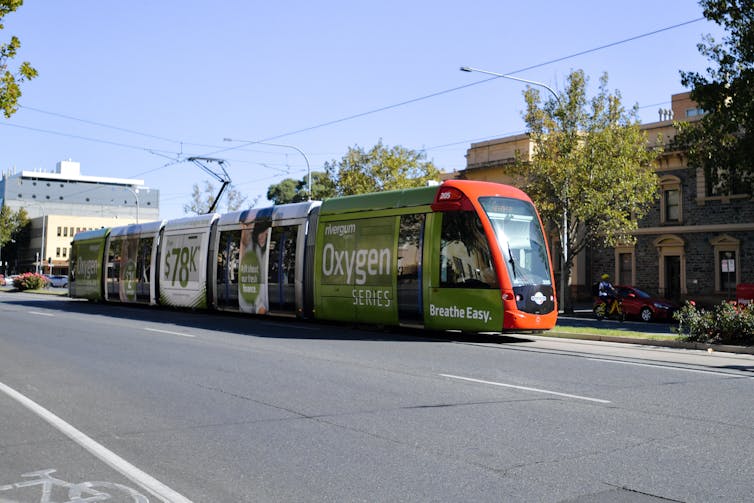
x=696, y=242
x=63, y=202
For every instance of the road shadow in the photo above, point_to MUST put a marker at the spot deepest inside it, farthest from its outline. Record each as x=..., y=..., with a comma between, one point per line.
x=280, y=327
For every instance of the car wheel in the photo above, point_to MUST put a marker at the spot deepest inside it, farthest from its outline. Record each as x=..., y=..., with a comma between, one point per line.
x=646, y=314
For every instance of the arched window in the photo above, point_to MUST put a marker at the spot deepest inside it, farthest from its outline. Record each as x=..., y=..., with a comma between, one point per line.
x=671, y=200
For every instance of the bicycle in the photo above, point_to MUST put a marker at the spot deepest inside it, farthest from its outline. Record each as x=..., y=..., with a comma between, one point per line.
x=82, y=492
x=601, y=311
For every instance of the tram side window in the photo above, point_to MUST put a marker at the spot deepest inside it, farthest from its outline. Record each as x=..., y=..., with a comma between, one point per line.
x=465, y=258
x=143, y=266
x=227, y=268
x=114, y=257
x=282, y=268
x=409, y=248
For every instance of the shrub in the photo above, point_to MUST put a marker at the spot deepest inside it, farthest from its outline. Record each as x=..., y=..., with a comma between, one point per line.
x=724, y=324
x=30, y=281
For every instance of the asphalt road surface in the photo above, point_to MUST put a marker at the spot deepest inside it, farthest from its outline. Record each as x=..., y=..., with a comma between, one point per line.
x=140, y=404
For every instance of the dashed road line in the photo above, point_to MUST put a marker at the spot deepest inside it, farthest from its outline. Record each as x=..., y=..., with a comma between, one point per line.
x=526, y=388
x=167, y=332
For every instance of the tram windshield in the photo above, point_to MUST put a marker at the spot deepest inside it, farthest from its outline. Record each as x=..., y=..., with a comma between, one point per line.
x=520, y=237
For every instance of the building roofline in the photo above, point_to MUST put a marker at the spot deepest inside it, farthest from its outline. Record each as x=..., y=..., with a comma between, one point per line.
x=41, y=175
x=505, y=139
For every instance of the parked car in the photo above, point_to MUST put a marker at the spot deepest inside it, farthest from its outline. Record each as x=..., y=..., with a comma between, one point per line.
x=638, y=303
x=57, y=280
x=8, y=280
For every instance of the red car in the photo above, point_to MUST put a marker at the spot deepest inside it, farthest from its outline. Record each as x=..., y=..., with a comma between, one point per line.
x=640, y=304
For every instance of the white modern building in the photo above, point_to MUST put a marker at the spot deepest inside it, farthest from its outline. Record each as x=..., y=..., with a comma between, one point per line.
x=63, y=202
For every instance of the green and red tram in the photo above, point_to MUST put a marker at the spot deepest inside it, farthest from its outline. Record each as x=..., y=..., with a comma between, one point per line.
x=464, y=255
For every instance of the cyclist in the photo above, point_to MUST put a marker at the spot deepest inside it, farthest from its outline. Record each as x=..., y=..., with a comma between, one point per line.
x=608, y=294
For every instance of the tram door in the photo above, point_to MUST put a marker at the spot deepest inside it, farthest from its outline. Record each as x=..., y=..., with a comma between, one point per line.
x=410, y=244
x=463, y=290
x=281, y=273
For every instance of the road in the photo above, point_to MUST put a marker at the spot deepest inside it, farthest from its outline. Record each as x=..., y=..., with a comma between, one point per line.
x=193, y=406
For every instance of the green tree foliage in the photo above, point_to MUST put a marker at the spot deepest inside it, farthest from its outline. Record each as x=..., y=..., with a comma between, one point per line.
x=10, y=90
x=722, y=142
x=293, y=191
x=592, y=163
x=202, y=199
x=381, y=168
x=11, y=223
x=284, y=192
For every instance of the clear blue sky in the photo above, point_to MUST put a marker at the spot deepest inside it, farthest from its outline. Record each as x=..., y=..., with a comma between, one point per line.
x=171, y=79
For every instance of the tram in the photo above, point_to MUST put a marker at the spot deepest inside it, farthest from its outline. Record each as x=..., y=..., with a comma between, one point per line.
x=464, y=255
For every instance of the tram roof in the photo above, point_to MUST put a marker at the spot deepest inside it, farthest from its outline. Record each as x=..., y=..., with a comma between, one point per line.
x=138, y=229
x=93, y=234
x=380, y=200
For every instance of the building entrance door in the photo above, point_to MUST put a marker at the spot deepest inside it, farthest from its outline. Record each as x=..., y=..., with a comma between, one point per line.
x=673, y=277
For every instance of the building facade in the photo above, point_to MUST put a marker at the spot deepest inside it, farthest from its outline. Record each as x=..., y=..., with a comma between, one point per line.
x=696, y=242
x=63, y=202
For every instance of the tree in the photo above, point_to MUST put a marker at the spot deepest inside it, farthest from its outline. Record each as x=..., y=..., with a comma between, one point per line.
x=722, y=141
x=284, y=192
x=293, y=191
x=202, y=199
x=10, y=90
x=590, y=175
x=11, y=223
x=382, y=168
x=14, y=227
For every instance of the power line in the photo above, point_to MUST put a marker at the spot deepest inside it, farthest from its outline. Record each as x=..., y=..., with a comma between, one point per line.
x=98, y=124
x=178, y=157
x=458, y=88
x=85, y=138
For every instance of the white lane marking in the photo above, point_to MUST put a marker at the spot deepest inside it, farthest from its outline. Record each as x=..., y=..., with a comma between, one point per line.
x=526, y=388
x=670, y=367
x=38, y=313
x=167, y=332
x=146, y=481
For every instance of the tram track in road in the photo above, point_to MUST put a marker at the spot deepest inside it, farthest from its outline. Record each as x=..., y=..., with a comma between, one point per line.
x=191, y=325
x=273, y=405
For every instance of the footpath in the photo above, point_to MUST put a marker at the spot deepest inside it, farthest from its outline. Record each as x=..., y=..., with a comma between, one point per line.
x=581, y=324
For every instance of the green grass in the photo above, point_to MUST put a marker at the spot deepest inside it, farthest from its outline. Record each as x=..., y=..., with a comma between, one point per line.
x=559, y=331
x=41, y=291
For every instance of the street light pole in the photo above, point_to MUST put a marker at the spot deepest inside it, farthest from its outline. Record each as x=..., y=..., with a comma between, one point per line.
x=308, y=169
x=135, y=192
x=564, y=237
x=501, y=75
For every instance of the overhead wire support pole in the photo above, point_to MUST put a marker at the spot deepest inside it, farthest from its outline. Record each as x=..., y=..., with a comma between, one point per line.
x=306, y=159
x=564, y=236
x=220, y=175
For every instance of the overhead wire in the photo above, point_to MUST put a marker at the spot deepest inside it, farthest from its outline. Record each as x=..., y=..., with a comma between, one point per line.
x=458, y=88
x=179, y=157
